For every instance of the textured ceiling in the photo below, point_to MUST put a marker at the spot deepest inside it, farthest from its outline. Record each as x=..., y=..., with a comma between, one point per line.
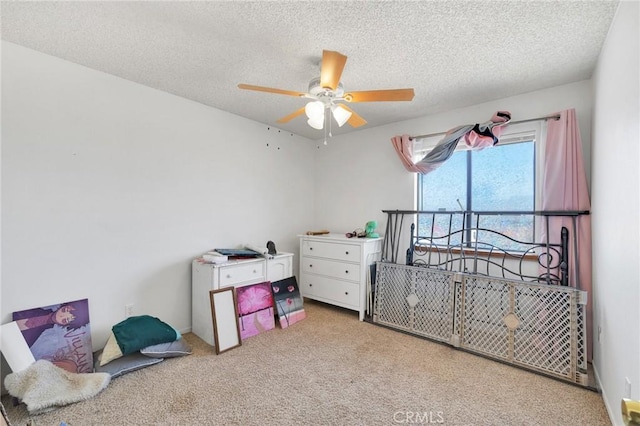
x=453, y=53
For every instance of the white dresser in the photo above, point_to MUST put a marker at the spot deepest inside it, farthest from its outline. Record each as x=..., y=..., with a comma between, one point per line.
x=335, y=269
x=236, y=273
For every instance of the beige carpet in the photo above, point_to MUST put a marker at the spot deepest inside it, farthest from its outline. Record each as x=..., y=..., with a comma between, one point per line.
x=329, y=369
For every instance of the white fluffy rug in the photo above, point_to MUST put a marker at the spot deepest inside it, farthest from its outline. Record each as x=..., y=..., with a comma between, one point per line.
x=43, y=386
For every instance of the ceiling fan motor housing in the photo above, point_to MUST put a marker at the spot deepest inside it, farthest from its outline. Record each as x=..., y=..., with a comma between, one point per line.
x=316, y=89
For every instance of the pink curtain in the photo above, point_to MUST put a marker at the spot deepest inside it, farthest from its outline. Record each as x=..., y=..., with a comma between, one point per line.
x=475, y=136
x=404, y=147
x=564, y=187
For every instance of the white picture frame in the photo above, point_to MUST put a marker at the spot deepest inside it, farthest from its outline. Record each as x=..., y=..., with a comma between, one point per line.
x=224, y=313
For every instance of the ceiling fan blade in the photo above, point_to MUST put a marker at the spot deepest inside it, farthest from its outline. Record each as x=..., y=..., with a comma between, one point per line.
x=355, y=120
x=331, y=69
x=380, y=95
x=291, y=116
x=270, y=90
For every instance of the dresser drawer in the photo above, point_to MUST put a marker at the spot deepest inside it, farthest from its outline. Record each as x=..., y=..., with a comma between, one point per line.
x=346, y=252
x=345, y=271
x=237, y=274
x=330, y=290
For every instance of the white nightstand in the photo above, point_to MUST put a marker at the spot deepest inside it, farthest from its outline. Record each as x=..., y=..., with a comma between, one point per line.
x=235, y=273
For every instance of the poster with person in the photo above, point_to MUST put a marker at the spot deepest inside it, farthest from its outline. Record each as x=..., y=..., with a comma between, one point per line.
x=60, y=334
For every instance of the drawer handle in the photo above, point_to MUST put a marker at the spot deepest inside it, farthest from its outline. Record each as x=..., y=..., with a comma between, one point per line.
x=310, y=266
x=346, y=252
x=346, y=293
x=228, y=276
x=346, y=272
x=310, y=248
x=254, y=271
x=310, y=285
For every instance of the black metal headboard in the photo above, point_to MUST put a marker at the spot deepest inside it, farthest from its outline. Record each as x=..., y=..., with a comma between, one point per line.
x=483, y=242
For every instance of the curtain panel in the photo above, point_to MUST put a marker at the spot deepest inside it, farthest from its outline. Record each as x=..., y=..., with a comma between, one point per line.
x=564, y=187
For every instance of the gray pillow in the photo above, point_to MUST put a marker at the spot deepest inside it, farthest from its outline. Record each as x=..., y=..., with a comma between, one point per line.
x=167, y=350
x=123, y=365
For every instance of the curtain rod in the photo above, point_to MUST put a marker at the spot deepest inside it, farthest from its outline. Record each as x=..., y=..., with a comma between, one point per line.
x=555, y=117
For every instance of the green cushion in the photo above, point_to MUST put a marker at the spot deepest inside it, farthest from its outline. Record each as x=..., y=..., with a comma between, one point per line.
x=138, y=332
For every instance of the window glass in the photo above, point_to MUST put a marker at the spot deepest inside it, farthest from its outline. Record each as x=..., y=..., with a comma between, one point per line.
x=440, y=191
x=500, y=178
x=444, y=186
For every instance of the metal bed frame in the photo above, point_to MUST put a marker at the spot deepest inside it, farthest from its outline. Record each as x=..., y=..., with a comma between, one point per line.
x=467, y=293
x=453, y=250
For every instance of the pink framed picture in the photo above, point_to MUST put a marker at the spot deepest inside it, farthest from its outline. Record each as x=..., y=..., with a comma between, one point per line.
x=255, y=309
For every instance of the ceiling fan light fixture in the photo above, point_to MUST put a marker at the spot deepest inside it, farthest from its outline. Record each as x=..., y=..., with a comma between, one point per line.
x=314, y=110
x=316, y=122
x=340, y=114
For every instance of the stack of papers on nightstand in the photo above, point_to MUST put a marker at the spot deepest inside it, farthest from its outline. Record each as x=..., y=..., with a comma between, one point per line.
x=214, y=257
x=238, y=253
x=264, y=252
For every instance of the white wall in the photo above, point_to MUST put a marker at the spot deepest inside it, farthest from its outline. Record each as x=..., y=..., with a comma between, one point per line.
x=359, y=174
x=110, y=189
x=615, y=205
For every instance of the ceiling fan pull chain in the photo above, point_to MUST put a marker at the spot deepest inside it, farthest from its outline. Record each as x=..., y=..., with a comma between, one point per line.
x=325, y=126
x=330, y=122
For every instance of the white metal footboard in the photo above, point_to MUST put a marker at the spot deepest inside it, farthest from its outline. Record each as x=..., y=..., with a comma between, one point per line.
x=535, y=326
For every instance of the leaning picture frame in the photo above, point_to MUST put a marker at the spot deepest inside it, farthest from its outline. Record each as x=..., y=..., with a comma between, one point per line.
x=59, y=333
x=224, y=313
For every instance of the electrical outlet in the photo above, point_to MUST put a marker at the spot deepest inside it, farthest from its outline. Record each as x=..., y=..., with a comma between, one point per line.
x=128, y=310
x=627, y=388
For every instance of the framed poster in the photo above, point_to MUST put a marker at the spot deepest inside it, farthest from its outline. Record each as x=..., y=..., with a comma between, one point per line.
x=288, y=301
x=255, y=309
x=60, y=334
x=224, y=312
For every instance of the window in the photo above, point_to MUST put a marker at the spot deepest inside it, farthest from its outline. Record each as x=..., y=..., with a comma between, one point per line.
x=497, y=179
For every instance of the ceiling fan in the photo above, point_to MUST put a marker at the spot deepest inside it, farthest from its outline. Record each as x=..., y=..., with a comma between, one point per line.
x=326, y=91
